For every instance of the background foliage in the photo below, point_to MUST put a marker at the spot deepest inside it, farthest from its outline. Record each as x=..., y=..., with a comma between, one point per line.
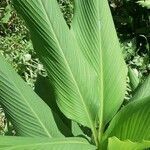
x=133, y=27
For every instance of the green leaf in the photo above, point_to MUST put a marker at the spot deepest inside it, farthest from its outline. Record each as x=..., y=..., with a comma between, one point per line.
x=114, y=68
x=67, y=68
x=24, y=143
x=45, y=90
x=142, y=91
x=76, y=130
x=28, y=113
x=134, y=80
x=132, y=122
x=114, y=144
x=85, y=26
x=80, y=131
x=95, y=32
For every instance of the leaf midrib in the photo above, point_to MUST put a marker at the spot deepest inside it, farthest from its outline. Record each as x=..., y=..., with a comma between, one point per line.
x=59, y=46
x=19, y=91
x=101, y=75
x=48, y=143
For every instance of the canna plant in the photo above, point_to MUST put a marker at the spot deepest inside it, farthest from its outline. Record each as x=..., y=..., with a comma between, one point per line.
x=79, y=106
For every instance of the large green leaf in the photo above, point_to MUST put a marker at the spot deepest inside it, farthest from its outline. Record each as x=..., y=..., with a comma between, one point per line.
x=74, y=80
x=28, y=113
x=142, y=91
x=24, y=143
x=95, y=32
x=132, y=122
x=115, y=144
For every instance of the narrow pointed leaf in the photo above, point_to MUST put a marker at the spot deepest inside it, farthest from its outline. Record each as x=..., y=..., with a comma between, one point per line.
x=132, y=122
x=28, y=113
x=143, y=90
x=114, y=68
x=67, y=68
x=134, y=80
x=114, y=144
x=94, y=30
x=20, y=143
x=85, y=26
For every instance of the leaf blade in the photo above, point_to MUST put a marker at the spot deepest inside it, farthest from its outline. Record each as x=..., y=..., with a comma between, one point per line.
x=115, y=143
x=134, y=80
x=50, y=36
x=45, y=90
x=132, y=122
x=142, y=91
x=19, y=143
x=22, y=105
x=93, y=26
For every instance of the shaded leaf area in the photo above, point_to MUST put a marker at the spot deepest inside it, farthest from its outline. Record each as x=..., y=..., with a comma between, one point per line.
x=45, y=90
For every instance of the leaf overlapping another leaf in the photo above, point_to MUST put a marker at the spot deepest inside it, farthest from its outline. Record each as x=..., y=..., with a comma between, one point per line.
x=80, y=62
x=25, y=109
x=75, y=82
x=95, y=33
x=132, y=122
x=143, y=90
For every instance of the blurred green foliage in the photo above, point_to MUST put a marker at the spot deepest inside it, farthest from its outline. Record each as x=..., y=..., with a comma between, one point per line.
x=16, y=45
x=66, y=7
x=144, y=3
x=133, y=27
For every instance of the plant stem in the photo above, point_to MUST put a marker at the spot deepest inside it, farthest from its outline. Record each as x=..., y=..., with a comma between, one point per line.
x=95, y=137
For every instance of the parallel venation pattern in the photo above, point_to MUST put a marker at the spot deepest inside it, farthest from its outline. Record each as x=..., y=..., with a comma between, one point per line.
x=28, y=113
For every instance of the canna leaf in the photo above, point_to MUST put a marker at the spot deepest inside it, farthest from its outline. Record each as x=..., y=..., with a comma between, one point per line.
x=26, y=143
x=95, y=33
x=28, y=113
x=134, y=80
x=113, y=66
x=45, y=91
x=132, y=122
x=74, y=81
x=114, y=144
x=143, y=90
